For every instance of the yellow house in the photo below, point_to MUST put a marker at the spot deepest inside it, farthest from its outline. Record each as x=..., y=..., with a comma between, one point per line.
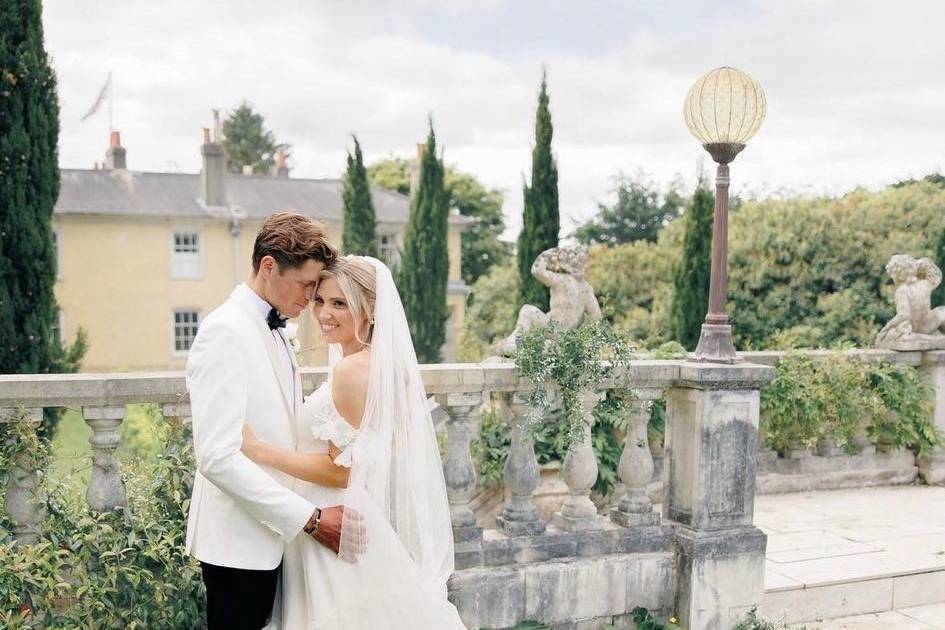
x=143, y=257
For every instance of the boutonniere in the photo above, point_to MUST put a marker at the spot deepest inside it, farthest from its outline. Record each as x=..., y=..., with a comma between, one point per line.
x=292, y=336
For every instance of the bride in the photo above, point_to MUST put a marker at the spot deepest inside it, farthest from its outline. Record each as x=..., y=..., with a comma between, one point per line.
x=372, y=420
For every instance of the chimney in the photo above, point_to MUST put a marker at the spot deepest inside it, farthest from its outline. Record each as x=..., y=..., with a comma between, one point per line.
x=213, y=173
x=415, y=169
x=115, y=156
x=280, y=169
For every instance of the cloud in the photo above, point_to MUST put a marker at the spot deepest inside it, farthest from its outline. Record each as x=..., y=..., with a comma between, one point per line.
x=855, y=91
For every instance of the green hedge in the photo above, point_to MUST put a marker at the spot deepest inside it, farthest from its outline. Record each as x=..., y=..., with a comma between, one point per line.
x=803, y=272
x=842, y=398
x=125, y=569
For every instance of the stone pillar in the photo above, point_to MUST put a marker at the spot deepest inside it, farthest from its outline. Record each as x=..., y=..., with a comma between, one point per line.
x=932, y=466
x=521, y=475
x=21, y=500
x=711, y=445
x=636, y=466
x=106, y=489
x=458, y=467
x=579, y=471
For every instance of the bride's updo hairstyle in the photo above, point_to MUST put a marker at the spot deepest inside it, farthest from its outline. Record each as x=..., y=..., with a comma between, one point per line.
x=355, y=276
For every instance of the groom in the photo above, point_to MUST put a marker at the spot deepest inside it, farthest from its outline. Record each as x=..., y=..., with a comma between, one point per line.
x=241, y=370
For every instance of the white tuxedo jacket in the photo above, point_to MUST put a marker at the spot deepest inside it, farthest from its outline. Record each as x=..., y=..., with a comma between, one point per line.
x=241, y=515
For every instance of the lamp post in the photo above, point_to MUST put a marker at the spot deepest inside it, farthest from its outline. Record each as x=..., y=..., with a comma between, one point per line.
x=723, y=110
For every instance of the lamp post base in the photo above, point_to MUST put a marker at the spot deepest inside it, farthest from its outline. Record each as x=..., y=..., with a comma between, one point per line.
x=715, y=345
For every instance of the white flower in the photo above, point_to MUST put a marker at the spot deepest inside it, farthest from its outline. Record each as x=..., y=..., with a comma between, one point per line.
x=292, y=336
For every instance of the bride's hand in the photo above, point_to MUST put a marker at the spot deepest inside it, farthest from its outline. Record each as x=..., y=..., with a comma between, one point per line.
x=250, y=446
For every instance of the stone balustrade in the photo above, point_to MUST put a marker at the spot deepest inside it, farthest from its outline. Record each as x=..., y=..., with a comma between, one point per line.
x=701, y=558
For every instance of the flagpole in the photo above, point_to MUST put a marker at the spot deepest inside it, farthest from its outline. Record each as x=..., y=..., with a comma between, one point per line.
x=111, y=98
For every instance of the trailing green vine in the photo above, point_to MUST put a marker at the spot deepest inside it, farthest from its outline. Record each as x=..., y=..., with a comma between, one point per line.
x=575, y=361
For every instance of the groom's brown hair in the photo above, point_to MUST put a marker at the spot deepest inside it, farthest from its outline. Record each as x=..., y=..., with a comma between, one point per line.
x=292, y=239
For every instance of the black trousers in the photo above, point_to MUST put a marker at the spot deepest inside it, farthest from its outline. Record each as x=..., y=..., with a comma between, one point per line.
x=238, y=599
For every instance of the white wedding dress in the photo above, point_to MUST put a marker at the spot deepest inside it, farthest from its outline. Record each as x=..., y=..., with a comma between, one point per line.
x=396, y=484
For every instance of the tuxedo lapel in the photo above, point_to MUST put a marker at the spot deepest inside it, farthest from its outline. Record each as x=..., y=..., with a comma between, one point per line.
x=296, y=376
x=269, y=342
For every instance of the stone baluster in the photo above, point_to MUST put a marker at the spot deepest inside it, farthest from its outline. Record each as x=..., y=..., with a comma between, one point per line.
x=106, y=489
x=521, y=475
x=636, y=466
x=579, y=472
x=458, y=467
x=21, y=501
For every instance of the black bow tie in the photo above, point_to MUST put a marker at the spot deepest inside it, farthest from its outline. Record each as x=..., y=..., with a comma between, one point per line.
x=275, y=320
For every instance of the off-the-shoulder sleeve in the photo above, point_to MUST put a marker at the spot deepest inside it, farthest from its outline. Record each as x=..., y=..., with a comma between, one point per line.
x=328, y=425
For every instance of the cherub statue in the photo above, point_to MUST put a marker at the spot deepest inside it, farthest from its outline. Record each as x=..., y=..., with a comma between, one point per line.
x=561, y=269
x=916, y=326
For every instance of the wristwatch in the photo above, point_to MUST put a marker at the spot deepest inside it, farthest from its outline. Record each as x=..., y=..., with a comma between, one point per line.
x=312, y=525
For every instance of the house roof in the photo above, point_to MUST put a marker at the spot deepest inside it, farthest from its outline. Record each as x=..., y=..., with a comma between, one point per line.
x=175, y=195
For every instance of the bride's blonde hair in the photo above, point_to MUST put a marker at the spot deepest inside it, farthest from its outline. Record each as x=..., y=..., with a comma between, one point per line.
x=358, y=282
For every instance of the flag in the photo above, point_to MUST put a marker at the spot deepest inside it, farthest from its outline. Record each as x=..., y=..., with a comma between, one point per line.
x=101, y=98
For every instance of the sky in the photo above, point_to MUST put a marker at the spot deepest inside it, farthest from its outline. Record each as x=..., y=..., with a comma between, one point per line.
x=855, y=90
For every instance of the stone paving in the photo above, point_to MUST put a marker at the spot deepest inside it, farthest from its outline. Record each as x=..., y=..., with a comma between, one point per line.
x=915, y=618
x=867, y=558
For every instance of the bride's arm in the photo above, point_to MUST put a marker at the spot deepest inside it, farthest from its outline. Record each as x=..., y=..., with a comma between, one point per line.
x=349, y=390
x=311, y=467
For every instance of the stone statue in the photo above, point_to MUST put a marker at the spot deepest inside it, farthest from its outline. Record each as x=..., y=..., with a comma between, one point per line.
x=561, y=269
x=916, y=326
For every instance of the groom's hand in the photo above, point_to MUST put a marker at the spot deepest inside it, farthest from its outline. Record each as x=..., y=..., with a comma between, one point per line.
x=328, y=530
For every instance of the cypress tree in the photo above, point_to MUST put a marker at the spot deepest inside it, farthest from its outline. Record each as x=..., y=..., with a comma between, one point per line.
x=29, y=187
x=540, y=220
x=359, y=234
x=424, y=264
x=691, y=281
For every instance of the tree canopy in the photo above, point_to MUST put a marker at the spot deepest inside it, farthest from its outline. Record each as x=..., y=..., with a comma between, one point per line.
x=247, y=141
x=482, y=245
x=639, y=213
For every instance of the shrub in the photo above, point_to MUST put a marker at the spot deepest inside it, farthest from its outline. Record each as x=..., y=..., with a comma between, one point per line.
x=839, y=397
x=491, y=311
x=125, y=568
x=645, y=620
x=802, y=271
x=753, y=622
x=906, y=397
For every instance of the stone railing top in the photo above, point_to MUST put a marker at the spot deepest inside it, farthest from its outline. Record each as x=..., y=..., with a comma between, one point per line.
x=74, y=390
x=773, y=357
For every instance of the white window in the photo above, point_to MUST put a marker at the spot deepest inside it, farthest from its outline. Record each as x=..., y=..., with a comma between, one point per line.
x=185, y=329
x=387, y=248
x=186, y=261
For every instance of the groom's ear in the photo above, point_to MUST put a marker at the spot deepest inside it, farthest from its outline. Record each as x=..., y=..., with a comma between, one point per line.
x=267, y=265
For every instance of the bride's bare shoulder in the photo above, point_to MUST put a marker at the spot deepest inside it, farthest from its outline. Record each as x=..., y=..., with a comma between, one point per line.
x=349, y=387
